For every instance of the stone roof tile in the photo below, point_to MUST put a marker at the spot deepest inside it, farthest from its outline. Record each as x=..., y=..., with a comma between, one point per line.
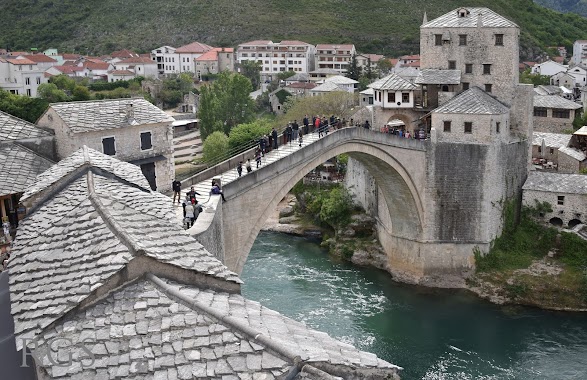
x=108, y=114
x=473, y=101
x=19, y=167
x=551, y=140
x=556, y=183
x=393, y=82
x=489, y=19
x=435, y=76
x=554, y=101
x=572, y=152
x=13, y=128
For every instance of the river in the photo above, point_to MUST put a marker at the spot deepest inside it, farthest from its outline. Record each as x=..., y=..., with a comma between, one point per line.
x=432, y=333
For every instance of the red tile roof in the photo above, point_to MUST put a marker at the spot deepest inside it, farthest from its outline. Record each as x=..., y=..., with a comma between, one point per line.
x=135, y=60
x=21, y=61
x=194, y=47
x=334, y=46
x=90, y=65
x=39, y=58
x=17, y=53
x=121, y=72
x=211, y=55
x=71, y=57
x=558, y=59
x=394, y=61
x=68, y=69
x=256, y=42
x=124, y=53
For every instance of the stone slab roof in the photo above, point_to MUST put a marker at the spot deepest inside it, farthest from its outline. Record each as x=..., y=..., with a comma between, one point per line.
x=554, y=101
x=339, y=79
x=159, y=329
x=393, y=82
x=328, y=87
x=473, y=101
x=435, y=76
x=488, y=18
x=408, y=73
x=556, y=183
x=551, y=140
x=108, y=114
x=19, y=167
x=572, y=152
x=89, y=158
x=13, y=128
x=92, y=230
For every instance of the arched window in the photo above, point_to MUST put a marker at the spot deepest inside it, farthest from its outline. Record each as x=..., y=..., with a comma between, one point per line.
x=556, y=222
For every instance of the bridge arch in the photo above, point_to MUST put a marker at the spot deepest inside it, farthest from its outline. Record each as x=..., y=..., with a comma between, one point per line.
x=252, y=200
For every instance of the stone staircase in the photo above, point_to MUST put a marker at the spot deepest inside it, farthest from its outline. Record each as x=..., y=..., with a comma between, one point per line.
x=186, y=147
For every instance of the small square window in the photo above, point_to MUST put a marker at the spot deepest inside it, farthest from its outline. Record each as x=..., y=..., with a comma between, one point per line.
x=405, y=97
x=499, y=40
x=561, y=200
x=551, y=150
x=146, y=143
x=465, y=86
x=462, y=39
x=108, y=146
x=488, y=88
x=452, y=65
x=468, y=68
x=447, y=125
x=391, y=97
x=487, y=69
x=468, y=127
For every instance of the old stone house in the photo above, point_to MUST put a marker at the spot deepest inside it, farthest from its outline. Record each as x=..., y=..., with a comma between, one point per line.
x=554, y=114
x=131, y=130
x=566, y=194
x=135, y=296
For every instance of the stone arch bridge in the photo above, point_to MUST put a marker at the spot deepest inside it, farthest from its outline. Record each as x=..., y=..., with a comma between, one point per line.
x=425, y=229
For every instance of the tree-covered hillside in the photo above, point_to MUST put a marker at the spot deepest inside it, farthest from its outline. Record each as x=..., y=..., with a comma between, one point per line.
x=575, y=6
x=377, y=26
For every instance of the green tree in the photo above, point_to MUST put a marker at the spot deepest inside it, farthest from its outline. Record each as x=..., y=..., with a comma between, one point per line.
x=354, y=71
x=245, y=133
x=252, y=70
x=383, y=67
x=225, y=102
x=81, y=93
x=215, y=147
x=29, y=109
x=535, y=79
x=338, y=103
x=337, y=208
x=51, y=93
x=63, y=82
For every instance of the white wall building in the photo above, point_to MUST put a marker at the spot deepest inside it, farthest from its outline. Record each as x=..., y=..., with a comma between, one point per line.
x=393, y=92
x=21, y=76
x=548, y=68
x=276, y=57
x=166, y=59
x=579, y=53
x=141, y=66
x=335, y=57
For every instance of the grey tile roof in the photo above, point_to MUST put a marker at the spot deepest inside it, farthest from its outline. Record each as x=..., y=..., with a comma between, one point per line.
x=393, y=82
x=108, y=114
x=88, y=157
x=489, y=19
x=554, y=101
x=436, y=76
x=552, y=140
x=572, y=152
x=90, y=229
x=339, y=79
x=556, y=183
x=19, y=167
x=547, y=90
x=408, y=73
x=141, y=331
x=327, y=87
x=473, y=101
x=13, y=128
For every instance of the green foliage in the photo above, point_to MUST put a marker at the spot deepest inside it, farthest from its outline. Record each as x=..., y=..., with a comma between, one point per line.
x=535, y=79
x=282, y=96
x=63, y=82
x=71, y=26
x=539, y=209
x=29, y=109
x=336, y=103
x=337, y=208
x=215, y=146
x=252, y=70
x=245, y=133
x=579, y=121
x=52, y=94
x=134, y=83
x=573, y=251
x=81, y=93
x=583, y=171
x=225, y=103
x=519, y=244
x=354, y=71
x=283, y=75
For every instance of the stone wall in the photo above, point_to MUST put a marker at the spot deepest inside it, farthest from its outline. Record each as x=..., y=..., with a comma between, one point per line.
x=484, y=128
x=207, y=229
x=44, y=146
x=553, y=124
x=573, y=207
x=567, y=164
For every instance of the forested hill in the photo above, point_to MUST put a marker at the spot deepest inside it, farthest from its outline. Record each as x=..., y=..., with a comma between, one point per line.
x=374, y=26
x=575, y=6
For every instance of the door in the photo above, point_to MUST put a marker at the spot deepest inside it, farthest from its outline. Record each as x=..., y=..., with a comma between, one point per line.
x=149, y=173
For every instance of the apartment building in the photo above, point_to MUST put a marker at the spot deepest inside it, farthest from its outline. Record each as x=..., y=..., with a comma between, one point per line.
x=334, y=57
x=21, y=76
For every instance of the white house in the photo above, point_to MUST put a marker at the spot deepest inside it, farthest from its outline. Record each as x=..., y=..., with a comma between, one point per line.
x=21, y=76
x=548, y=68
x=140, y=66
x=187, y=55
x=579, y=53
x=334, y=57
x=166, y=59
x=348, y=84
x=393, y=91
x=118, y=75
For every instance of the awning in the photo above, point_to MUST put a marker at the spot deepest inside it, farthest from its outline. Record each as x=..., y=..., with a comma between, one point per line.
x=582, y=131
x=179, y=123
x=395, y=123
x=148, y=160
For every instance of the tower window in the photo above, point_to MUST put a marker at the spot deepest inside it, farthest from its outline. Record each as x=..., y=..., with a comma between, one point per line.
x=488, y=87
x=468, y=68
x=438, y=39
x=487, y=69
x=499, y=40
x=468, y=127
x=447, y=125
x=462, y=39
x=452, y=65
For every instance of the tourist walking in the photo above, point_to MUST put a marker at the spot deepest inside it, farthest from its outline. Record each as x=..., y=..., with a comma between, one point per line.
x=301, y=139
x=306, y=122
x=295, y=127
x=239, y=168
x=248, y=165
x=192, y=193
x=317, y=125
x=258, y=159
x=189, y=213
x=176, y=186
x=288, y=133
x=366, y=125
x=274, y=136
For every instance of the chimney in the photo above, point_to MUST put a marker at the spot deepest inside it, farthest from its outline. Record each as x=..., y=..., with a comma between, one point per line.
x=425, y=18
x=480, y=20
x=130, y=112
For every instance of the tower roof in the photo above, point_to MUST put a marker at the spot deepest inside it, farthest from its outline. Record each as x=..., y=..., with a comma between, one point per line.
x=470, y=18
x=473, y=101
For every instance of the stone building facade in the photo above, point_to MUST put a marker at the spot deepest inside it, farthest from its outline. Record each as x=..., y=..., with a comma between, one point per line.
x=480, y=43
x=131, y=130
x=566, y=194
x=554, y=114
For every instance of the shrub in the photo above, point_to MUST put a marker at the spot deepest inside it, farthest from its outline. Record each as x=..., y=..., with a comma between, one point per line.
x=337, y=208
x=215, y=147
x=245, y=133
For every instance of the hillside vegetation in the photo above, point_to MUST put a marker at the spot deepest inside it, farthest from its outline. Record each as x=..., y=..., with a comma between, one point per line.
x=575, y=6
x=379, y=26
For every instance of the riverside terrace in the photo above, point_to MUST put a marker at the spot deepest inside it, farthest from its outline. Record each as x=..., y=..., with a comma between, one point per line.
x=101, y=265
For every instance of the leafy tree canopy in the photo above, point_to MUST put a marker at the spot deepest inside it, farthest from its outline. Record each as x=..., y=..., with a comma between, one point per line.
x=215, y=147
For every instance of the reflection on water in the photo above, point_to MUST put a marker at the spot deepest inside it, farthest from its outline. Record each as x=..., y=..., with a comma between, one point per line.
x=432, y=333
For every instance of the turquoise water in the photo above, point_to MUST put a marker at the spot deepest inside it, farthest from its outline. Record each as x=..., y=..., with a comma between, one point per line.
x=432, y=333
